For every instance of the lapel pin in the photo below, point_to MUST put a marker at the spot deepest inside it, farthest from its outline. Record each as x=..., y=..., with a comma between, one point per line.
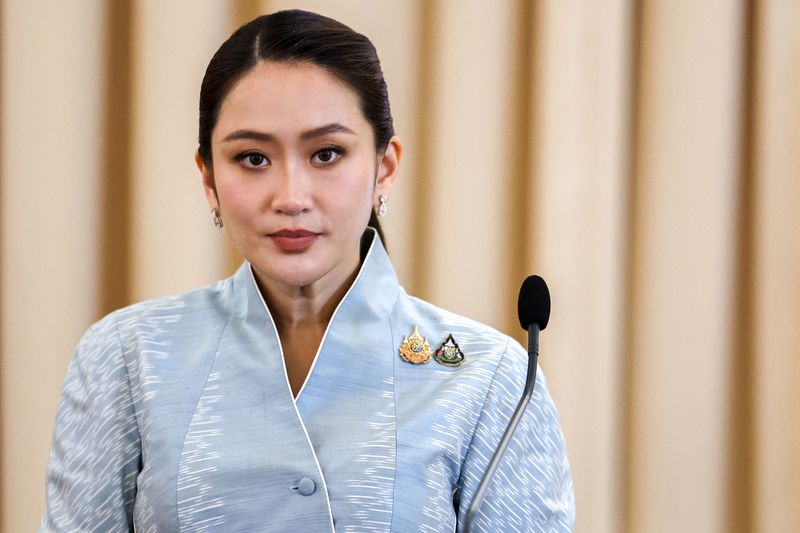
x=449, y=354
x=415, y=349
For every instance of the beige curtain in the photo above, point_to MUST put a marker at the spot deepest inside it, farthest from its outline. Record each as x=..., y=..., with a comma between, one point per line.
x=644, y=157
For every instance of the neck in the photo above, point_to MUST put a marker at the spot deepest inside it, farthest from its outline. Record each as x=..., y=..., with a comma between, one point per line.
x=309, y=306
x=294, y=307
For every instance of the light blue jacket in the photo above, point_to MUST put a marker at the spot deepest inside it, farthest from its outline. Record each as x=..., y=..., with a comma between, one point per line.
x=176, y=415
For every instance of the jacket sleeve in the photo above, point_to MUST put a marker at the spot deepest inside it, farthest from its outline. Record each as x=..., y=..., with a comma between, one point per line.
x=96, y=451
x=532, y=487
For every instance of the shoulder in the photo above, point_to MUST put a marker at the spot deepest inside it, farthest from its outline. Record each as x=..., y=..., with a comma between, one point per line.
x=211, y=299
x=167, y=320
x=480, y=342
x=176, y=310
x=495, y=365
x=429, y=311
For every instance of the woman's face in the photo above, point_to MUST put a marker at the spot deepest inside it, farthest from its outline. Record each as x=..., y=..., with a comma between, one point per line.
x=295, y=173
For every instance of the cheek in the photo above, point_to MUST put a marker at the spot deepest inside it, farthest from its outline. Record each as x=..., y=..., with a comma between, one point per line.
x=352, y=195
x=236, y=200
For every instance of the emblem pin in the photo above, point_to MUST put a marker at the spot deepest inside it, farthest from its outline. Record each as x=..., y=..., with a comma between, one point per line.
x=415, y=349
x=449, y=354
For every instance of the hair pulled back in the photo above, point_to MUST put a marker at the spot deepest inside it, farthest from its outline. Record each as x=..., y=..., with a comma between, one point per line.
x=298, y=36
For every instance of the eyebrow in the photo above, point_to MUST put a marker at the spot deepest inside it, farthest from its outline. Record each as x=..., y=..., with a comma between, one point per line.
x=333, y=127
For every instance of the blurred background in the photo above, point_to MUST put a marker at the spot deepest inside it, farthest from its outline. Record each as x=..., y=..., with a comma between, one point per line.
x=642, y=156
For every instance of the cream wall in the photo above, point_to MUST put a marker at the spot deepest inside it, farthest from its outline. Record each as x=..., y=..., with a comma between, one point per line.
x=641, y=156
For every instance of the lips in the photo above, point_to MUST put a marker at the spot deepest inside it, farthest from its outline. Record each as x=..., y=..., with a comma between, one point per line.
x=293, y=240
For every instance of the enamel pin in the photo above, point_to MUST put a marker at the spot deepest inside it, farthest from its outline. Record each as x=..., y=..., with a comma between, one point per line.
x=449, y=354
x=415, y=349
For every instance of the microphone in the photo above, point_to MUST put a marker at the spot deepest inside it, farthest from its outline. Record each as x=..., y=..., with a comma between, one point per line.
x=533, y=305
x=533, y=308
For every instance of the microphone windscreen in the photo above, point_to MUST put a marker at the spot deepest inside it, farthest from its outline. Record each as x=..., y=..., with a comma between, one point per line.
x=534, y=303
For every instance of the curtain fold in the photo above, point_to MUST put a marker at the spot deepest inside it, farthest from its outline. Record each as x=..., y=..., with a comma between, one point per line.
x=577, y=206
x=775, y=260
x=174, y=245
x=52, y=68
x=683, y=290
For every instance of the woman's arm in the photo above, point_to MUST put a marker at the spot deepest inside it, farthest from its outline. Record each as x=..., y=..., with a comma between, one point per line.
x=96, y=453
x=532, y=488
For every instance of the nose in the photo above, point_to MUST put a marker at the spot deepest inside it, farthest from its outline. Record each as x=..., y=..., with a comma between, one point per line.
x=292, y=191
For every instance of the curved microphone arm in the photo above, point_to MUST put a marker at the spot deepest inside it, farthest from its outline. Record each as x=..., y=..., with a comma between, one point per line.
x=527, y=393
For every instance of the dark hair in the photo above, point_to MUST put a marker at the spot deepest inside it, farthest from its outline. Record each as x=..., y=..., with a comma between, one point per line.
x=298, y=36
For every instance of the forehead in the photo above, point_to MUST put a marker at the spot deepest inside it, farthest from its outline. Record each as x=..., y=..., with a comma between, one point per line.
x=288, y=98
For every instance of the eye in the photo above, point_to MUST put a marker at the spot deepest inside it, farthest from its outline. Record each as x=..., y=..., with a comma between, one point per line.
x=253, y=160
x=327, y=156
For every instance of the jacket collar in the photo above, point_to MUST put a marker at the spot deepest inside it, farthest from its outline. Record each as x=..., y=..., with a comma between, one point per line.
x=371, y=296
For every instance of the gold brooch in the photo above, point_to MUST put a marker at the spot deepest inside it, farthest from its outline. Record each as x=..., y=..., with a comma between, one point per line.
x=415, y=349
x=449, y=354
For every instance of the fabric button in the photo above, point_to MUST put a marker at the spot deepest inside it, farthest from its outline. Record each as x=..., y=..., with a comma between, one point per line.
x=306, y=486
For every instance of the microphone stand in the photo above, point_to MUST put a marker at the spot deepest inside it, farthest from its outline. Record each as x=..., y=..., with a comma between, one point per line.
x=527, y=393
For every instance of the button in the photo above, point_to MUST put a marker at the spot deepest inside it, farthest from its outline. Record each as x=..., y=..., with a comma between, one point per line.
x=306, y=486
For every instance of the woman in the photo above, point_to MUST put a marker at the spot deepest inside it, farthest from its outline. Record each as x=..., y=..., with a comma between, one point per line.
x=308, y=391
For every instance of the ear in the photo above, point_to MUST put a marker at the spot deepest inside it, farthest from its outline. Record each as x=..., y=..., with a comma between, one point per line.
x=388, y=167
x=209, y=187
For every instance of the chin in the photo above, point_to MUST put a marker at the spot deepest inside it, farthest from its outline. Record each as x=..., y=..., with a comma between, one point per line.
x=297, y=270
x=298, y=279
x=290, y=277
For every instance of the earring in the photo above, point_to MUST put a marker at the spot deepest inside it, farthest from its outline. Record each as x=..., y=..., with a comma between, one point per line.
x=217, y=219
x=382, y=209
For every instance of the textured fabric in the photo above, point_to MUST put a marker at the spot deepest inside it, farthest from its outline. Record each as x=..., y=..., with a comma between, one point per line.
x=176, y=415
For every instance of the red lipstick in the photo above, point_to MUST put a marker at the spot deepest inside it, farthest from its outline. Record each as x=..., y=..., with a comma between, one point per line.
x=293, y=240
